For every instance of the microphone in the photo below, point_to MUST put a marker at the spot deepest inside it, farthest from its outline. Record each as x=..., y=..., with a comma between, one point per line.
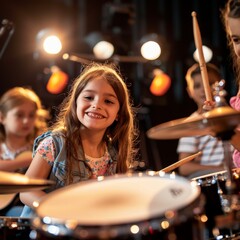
x=6, y=31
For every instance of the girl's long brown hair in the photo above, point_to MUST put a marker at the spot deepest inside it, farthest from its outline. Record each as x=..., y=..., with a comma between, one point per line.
x=122, y=133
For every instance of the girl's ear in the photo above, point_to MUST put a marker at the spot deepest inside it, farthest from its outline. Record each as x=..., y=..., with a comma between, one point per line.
x=116, y=119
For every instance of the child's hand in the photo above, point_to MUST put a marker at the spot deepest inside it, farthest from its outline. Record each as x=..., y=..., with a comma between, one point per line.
x=209, y=105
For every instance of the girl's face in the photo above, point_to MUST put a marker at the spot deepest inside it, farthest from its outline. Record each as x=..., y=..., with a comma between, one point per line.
x=20, y=120
x=97, y=105
x=234, y=31
x=197, y=92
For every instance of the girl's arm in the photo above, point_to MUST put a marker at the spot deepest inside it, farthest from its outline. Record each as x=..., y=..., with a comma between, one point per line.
x=23, y=160
x=39, y=168
x=195, y=166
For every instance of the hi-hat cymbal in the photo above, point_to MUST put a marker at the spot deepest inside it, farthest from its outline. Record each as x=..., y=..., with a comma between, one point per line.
x=16, y=182
x=218, y=120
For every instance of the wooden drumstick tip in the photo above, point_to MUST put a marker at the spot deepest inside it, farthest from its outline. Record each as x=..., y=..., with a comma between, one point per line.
x=194, y=14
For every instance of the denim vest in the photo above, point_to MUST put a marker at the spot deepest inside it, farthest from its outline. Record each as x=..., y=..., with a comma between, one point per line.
x=80, y=169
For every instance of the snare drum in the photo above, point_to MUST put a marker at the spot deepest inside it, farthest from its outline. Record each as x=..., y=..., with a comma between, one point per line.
x=14, y=228
x=136, y=206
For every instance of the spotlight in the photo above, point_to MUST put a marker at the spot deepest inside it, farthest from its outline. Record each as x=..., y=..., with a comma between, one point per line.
x=100, y=45
x=150, y=48
x=52, y=45
x=48, y=42
x=207, y=53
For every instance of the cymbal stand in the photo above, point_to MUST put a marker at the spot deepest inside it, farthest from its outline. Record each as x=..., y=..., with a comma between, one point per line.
x=230, y=200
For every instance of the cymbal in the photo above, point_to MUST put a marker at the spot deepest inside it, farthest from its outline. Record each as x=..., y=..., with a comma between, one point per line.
x=16, y=182
x=218, y=120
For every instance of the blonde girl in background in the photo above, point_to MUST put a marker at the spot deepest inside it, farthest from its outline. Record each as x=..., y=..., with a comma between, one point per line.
x=22, y=119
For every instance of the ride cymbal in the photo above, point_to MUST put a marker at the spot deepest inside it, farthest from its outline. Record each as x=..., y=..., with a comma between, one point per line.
x=218, y=120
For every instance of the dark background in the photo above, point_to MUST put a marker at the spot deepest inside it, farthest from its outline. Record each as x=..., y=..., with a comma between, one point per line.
x=126, y=22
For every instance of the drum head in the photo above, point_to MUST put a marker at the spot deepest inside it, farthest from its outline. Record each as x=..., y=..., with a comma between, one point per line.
x=118, y=200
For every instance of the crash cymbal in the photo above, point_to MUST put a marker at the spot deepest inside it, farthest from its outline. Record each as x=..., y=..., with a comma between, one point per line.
x=218, y=120
x=16, y=182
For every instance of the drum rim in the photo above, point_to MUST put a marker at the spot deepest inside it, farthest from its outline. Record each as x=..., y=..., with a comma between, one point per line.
x=111, y=231
x=215, y=174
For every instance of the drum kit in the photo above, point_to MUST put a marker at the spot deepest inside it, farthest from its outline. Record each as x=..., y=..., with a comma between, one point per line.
x=140, y=206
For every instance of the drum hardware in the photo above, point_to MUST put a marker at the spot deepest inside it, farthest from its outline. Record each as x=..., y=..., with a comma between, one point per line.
x=222, y=215
x=219, y=122
x=12, y=228
x=226, y=134
x=219, y=93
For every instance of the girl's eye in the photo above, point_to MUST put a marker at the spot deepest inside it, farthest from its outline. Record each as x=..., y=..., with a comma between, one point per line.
x=19, y=115
x=109, y=101
x=236, y=40
x=88, y=97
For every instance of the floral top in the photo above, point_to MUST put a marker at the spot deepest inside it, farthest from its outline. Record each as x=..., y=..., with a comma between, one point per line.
x=52, y=147
x=98, y=165
x=235, y=103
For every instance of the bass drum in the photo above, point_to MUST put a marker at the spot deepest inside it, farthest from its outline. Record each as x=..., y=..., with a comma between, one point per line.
x=135, y=206
x=12, y=228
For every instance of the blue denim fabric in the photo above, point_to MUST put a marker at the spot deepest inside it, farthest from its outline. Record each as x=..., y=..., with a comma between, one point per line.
x=80, y=170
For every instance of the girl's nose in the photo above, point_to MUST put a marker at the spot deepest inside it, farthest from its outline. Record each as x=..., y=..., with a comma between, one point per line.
x=96, y=105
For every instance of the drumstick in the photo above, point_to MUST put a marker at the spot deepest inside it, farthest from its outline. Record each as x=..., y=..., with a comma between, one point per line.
x=198, y=43
x=180, y=162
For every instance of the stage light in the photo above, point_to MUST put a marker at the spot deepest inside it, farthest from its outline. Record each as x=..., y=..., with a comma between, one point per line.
x=103, y=50
x=160, y=84
x=57, y=81
x=207, y=53
x=52, y=45
x=47, y=42
x=100, y=45
x=150, y=50
x=150, y=47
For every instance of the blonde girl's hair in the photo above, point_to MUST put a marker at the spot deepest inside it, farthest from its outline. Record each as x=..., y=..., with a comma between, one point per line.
x=122, y=133
x=17, y=96
x=232, y=10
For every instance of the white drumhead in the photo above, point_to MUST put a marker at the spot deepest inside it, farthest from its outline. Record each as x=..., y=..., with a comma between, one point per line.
x=118, y=200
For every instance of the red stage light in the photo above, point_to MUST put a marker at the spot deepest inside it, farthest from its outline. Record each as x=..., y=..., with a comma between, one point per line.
x=160, y=84
x=57, y=82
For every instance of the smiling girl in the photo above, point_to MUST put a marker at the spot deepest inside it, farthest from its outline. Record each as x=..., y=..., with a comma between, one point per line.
x=93, y=135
